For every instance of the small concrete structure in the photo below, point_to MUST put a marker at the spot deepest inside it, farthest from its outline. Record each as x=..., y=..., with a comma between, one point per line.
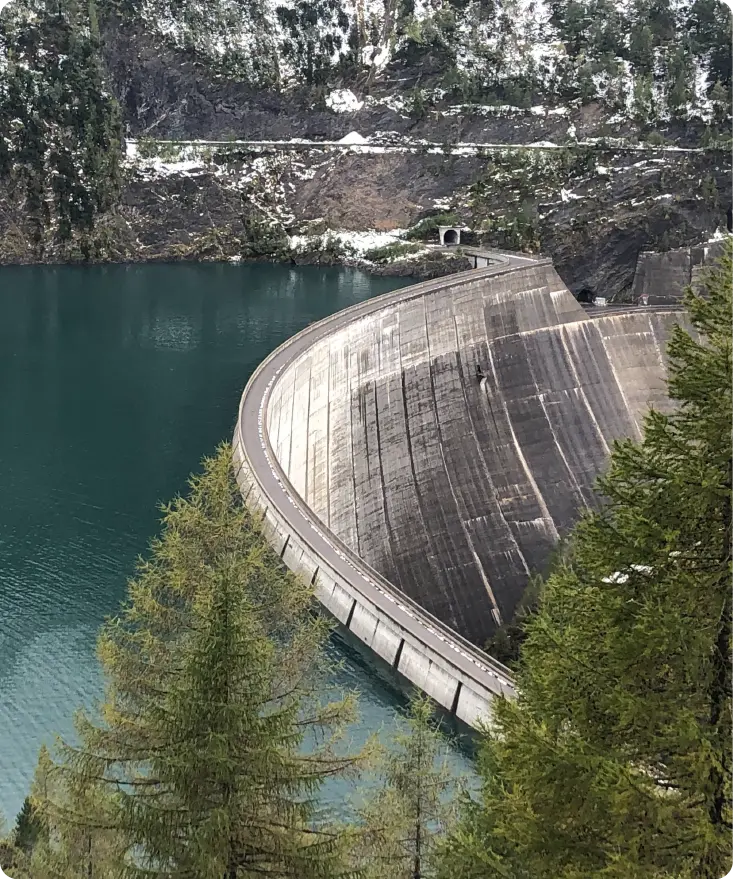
x=483, y=257
x=663, y=277
x=449, y=235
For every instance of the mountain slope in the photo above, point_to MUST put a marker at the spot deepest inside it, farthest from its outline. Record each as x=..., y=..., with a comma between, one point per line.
x=592, y=76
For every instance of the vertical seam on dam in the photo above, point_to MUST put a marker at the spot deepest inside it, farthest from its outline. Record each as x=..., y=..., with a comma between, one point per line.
x=328, y=444
x=307, y=429
x=479, y=450
x=398, y=654
x=630, y=411
x=530, y=478
x=390, y=536
x=454, y=704
x=451, y=596
x=351, y=444
x=290, y=433
x=466, y=535
x=570, y=473
x=408, y=439
x=351, y=615
x=565, y=335
x=285, y=546
x=410, y=454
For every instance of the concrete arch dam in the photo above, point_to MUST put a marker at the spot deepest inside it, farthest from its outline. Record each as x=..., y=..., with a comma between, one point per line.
x=418, y=455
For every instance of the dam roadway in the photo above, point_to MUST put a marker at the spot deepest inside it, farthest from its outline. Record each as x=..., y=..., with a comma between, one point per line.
x=329, y=503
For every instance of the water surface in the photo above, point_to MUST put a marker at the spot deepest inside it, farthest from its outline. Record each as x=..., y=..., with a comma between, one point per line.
x=114, y=382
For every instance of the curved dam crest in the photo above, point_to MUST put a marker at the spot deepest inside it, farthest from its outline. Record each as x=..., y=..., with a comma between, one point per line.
x=440, y=440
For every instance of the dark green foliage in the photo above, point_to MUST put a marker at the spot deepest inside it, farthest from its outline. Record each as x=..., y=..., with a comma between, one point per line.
x=14, y=862
x=720, y=99
x=430, y=40
x=679, y=76
x=414, y=805
x=597, y=32
x=507, y=640
x=28, y=827
x=64, y=129
x=418, y=110
x=515, y=230
x=391, y=252
x=315, y=31
x=615, y=761
x=263, y=238
x=709, y=27
x=709, y=191
x=655, y=138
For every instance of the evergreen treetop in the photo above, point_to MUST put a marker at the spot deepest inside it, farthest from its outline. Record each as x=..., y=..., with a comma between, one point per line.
x=416, y=803
x=197, y=767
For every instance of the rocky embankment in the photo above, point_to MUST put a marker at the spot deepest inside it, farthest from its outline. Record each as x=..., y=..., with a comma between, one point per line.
x=591, y=208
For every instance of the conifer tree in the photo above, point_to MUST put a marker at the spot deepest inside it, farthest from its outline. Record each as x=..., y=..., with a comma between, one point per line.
x=13, y=860
x=62, y=133
x=28, y=828
x=76, y=837
x=196, y=768
x=721, y=104
x=415, y=804
x=679, y=76
x=615, y=760
x=644, y=108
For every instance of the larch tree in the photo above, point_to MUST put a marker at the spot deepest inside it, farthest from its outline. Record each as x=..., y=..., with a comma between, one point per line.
x=13, y=859
x=76, y=837
x=615, y=759
x=215, y=666
x=413, y=806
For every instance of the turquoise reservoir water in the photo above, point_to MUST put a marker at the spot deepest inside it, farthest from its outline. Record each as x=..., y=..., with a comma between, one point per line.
x=113, y=383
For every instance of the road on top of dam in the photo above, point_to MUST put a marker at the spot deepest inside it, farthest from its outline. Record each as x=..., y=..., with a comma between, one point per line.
x=280, y=495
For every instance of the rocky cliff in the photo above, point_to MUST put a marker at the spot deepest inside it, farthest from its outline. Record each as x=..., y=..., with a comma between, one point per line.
x=590, y=140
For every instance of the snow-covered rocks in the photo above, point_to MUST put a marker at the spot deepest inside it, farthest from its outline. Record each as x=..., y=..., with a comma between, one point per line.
x=343, y=101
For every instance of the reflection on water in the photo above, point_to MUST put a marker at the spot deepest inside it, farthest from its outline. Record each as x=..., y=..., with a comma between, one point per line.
x=114, y=382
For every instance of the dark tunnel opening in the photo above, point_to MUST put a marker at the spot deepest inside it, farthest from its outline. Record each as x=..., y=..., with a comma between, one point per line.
x=585, y=295
x=450, y=236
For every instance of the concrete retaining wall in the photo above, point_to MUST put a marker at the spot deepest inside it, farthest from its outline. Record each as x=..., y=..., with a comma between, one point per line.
x=408, y=655
x=456, y=488
x=440, y=442
x=663, y=277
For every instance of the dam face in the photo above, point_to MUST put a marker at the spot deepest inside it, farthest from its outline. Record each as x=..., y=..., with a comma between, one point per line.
x=449, y=437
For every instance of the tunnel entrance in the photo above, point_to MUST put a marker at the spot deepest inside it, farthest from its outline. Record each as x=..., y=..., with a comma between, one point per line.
x=449, y=235
x=585, y=295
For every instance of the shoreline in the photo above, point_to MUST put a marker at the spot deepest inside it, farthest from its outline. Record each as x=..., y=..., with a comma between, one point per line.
x=423, y=268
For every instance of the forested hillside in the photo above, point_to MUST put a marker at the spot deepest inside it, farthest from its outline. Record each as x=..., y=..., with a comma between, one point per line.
x=651, y=58
x=437, y=89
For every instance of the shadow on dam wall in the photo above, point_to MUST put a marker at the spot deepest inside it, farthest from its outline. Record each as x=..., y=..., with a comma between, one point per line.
x=450, y=438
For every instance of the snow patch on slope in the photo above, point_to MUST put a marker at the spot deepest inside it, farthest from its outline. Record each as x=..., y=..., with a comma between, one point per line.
x=353, y=137
x=343, y=101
